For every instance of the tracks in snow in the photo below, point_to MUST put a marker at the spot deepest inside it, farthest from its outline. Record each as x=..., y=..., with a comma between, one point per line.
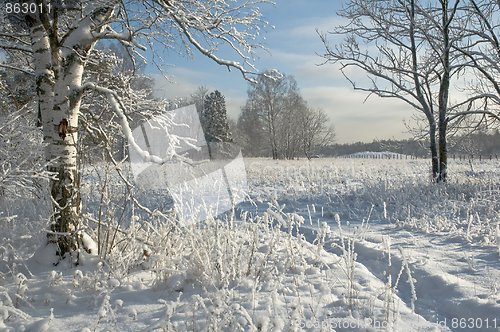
x=455, y=283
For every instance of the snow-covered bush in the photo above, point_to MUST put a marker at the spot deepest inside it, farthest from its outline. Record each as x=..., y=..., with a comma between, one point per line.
x=21, y=160
x=23, y=178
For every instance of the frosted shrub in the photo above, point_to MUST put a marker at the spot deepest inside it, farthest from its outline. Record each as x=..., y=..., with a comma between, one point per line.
x=228, y=259
x=348, y=255
x=8, y=312
x=105, y=313
x=21, y=288
x=214, y=253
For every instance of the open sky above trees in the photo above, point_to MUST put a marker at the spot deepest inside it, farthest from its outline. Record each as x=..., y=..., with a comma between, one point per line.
x=293, y=46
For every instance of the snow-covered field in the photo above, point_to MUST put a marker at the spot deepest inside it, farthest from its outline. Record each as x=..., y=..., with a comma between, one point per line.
x=320, y=245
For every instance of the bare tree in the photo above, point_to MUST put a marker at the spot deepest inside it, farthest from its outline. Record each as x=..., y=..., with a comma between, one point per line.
x=481, y=49
x=58, y=38
x=198, y=98
x=407, y=48
x=316, y=131
x=290, y=124
x=251, y=133
x=266, y=98
x=274, y=99
x=276, y=120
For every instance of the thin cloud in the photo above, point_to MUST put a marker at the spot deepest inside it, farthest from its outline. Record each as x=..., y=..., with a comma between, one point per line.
x=355, y=120
x=174, y=87
x=185, y=81
x=322, y=24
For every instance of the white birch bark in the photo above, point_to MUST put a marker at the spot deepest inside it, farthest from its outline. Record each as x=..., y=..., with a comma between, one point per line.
x=44, y=77
x=59, y=67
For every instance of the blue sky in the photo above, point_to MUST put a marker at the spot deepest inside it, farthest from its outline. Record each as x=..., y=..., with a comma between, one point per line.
x=292, y=49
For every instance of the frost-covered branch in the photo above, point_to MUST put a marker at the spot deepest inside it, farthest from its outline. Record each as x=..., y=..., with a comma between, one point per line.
x=210, y=27
x=20, y=162
x=118, y=107
x=210, y=54
x=465, y=113
x=127, y=38
x=29, y=72
x=15, y=47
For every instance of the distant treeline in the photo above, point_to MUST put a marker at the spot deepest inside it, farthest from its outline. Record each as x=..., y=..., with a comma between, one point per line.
x=479, y=143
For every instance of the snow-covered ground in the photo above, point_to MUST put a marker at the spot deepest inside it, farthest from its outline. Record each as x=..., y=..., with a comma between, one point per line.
x=320, y=245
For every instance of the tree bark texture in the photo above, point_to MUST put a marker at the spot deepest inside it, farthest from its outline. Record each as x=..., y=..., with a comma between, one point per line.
x=59, y=65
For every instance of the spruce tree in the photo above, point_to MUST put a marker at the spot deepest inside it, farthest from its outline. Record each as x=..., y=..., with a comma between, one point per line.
x=214, y=121
x=214, y=118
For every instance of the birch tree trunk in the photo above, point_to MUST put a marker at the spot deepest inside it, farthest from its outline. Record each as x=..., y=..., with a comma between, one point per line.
x=59, y=66
x=444, y=89
x=65, y=189
x=434, y=149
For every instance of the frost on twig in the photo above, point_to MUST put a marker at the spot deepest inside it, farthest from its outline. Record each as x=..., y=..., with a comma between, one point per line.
x=146, y=156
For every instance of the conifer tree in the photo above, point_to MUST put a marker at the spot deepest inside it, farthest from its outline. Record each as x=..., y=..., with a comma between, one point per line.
x=214, y=120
